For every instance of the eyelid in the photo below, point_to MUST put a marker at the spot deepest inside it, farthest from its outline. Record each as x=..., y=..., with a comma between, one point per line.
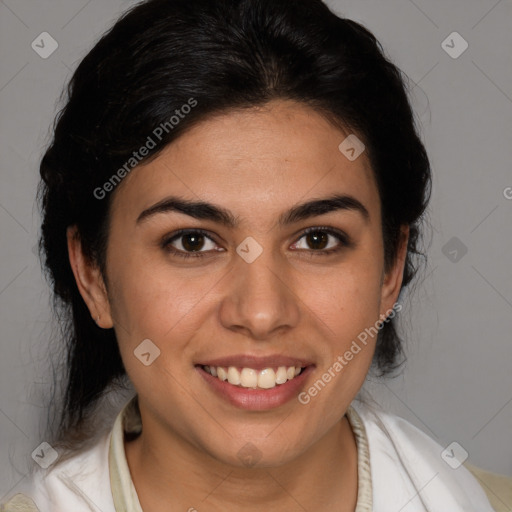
x=343, y=237
x=344, y=240
x=167, y=240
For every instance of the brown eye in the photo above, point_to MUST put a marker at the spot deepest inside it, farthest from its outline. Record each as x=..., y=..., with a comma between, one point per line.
x=193, y=241
x=323, y=241
x=188, y=243
x=317, y=239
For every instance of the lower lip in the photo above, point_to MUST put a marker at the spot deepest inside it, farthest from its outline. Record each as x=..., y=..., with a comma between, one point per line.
x=257, y=399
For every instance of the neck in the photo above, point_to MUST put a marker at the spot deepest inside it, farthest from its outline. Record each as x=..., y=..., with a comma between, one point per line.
x=324, y=476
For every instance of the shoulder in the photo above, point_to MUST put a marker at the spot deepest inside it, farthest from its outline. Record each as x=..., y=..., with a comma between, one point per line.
x=81, y=482
x=411, y=471
x=497, y=487
x=19, y=503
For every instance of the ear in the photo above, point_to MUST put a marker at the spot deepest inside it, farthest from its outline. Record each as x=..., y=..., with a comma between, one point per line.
x=89, y=281
x=392, y=280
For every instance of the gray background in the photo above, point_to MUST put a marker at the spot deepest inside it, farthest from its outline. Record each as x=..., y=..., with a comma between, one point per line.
x=457, y=385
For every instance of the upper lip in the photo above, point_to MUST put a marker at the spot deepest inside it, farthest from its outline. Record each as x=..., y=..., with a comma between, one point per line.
x=256, y=362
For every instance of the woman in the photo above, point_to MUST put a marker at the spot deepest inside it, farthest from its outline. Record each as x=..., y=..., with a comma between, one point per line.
x=227, y=221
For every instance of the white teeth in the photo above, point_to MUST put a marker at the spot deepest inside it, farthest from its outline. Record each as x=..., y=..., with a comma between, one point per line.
x=250, y=378
x=267, y=378
x=281, y=376
x=233, y=376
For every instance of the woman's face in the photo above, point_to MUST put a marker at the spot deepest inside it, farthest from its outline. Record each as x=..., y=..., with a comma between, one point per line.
x=255, y=291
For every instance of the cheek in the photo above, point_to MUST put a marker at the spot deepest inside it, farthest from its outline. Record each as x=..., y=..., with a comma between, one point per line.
x=152, y=306
x=348, y=299
x=349, y=306
x=347, y=302
x=153, y=301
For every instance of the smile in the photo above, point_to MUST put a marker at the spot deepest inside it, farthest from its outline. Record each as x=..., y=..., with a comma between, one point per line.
x=266, y=378
x=255, y=383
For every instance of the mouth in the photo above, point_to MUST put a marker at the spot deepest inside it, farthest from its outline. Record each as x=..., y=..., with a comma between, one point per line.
x=255, y=383
x=251, y=378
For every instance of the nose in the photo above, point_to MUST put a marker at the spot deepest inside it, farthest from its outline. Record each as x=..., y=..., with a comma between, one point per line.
x=261, y=300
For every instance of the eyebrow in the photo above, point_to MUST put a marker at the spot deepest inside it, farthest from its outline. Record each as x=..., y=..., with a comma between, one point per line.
x=208, y=211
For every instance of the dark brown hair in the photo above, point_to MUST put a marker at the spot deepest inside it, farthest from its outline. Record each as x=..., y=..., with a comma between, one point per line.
x=225, y=54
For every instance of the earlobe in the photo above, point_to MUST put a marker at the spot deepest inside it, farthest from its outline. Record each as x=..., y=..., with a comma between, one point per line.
x=392, y=280
x=89, y=281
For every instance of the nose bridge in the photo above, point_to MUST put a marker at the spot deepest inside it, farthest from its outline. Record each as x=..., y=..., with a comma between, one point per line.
x=260, y=300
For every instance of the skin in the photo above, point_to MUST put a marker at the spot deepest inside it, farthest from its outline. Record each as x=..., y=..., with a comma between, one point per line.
x=257, y=163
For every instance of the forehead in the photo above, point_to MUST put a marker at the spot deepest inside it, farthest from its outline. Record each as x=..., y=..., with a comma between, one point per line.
x=271, y=156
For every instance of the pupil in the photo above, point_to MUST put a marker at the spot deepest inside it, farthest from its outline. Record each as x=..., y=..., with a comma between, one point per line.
x=316, y=238
x=193, y=242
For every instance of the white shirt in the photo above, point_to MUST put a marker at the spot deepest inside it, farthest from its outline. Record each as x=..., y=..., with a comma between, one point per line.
x=400, y=469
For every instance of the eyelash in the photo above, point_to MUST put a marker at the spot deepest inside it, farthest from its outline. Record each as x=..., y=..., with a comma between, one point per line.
x=344, y=240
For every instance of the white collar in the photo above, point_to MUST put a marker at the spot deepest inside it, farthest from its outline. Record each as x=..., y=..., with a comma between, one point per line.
x=408, y=472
